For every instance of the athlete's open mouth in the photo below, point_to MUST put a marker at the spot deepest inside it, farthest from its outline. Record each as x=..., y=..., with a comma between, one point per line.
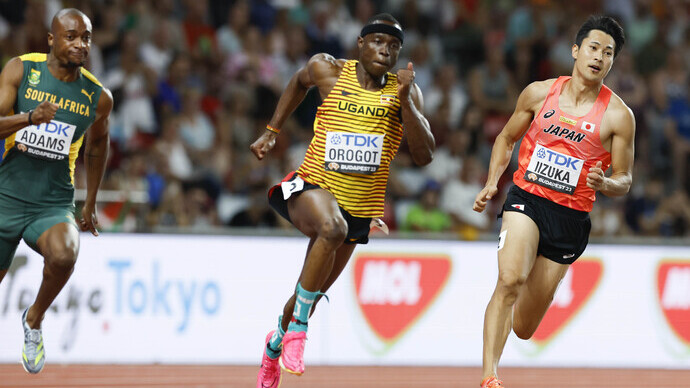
x=594, y=67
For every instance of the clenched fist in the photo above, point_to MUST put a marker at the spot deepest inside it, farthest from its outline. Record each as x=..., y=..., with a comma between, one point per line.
x=405, y=80
x=44, y=113
x=595, y=177
x=263, y=144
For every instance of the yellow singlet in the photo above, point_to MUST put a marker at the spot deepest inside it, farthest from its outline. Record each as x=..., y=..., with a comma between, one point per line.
x=356, y=135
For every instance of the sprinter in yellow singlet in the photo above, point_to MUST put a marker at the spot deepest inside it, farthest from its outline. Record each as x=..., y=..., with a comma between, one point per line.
x=48, y=103
x=340, y=188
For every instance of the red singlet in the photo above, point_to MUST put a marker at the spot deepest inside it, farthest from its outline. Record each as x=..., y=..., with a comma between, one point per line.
x=559, y=149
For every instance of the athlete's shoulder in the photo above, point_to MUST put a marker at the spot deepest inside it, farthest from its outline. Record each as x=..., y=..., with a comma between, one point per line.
x=105, y=102
x=535, y=93
x=33, y=57
x=323, y=70
x=92, y=78
x=540, y=88
x=617, y=103
x=326, y=62
x=12, y=72
x=618, y=111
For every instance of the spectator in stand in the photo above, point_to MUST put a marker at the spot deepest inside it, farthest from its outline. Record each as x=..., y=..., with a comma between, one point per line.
x=200, y=36
x=196, y=129
x=320, y=38
x=168, y=99
x=447, y=95
x=229, y=36
x=158, y=52
x=457, y=199
x=257, y=213
x=133, y=85
x=425, y=215
x=656, y=213
x=177, y=165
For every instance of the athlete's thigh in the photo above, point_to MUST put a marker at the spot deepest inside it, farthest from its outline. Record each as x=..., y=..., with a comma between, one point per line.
x=7, y=251
x=12, y=222
x=518, y=242
x=311, y=209
x=51, y=231
x=59, y=238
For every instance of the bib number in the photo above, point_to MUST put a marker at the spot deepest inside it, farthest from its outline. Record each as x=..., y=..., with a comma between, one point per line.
x=353, y=152
x=47, y=141
x=554, y=170
x=290, y=187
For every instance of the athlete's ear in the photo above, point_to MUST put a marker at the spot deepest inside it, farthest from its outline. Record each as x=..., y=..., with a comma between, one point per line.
x=50, y=39
x=360, y=42
x=574, y=50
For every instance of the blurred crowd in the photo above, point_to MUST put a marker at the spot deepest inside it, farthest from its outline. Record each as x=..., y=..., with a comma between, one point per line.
x=196, y=81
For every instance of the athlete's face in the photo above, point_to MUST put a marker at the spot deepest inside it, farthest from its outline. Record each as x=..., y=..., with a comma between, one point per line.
x=70, y=40
x=594, y=58
x=378, y=52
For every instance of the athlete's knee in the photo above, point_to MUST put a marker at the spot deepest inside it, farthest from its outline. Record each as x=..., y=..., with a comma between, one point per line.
x=62, y=258
x=333, y=229
x=509, y=284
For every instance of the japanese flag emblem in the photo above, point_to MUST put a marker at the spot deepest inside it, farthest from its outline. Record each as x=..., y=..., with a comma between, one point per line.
x=587, y=126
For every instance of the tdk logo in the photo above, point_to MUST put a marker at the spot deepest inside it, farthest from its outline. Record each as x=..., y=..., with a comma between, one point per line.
x=558, y=159
x=53, y=127
x=358, y=140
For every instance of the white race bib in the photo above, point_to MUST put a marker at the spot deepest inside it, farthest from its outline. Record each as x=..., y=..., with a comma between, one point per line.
x=291, y=186
x=49, y=141
x=557, y=171
x=353, y=152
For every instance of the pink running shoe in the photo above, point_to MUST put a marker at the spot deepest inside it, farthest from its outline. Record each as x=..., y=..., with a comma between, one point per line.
x=292, y=358
x=270, y=373
x=492, y=382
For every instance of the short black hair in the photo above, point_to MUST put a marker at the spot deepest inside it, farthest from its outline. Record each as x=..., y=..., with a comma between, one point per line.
x=384, y=17
x=606, y=24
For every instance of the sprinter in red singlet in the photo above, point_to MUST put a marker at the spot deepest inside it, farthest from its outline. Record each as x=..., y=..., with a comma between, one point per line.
x=574, y=129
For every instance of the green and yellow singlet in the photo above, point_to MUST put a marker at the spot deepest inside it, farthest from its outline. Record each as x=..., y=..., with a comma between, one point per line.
x=38, y=163
x=356, y=135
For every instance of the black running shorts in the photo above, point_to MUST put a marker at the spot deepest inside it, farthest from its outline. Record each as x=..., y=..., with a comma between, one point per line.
x=357, y=227
x=563, y=232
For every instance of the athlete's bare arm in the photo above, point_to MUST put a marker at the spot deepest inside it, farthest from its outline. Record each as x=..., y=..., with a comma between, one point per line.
x=95, y=157
x=10, y=79
x=419, y=138
x=622, y=148
x=321, y=71
x=530, y=101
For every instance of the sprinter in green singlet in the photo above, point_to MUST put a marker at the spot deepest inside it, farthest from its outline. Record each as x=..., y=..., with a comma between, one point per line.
x=47, y=104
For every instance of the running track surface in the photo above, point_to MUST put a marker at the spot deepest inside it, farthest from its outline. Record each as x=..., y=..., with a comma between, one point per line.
x=179, y=376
